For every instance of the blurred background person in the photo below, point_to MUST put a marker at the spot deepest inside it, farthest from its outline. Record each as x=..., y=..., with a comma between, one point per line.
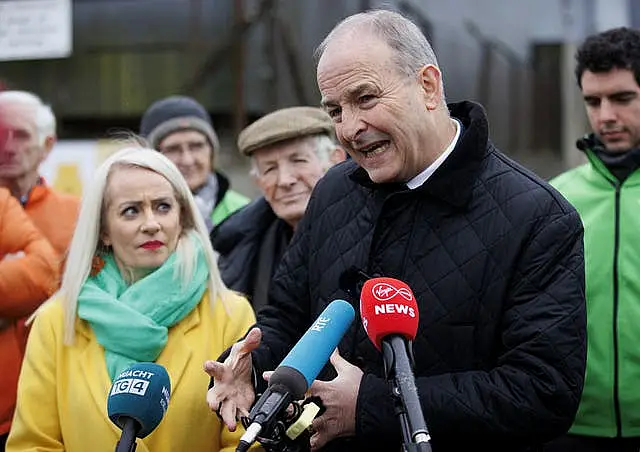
x=290, y=150
x=28, y=276
x=32, y=134
x=38, y=216
x=606, y=193
x=181, y=129
x=141, y=284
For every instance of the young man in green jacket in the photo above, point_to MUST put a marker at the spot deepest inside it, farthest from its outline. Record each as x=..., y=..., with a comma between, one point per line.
x=606, y=193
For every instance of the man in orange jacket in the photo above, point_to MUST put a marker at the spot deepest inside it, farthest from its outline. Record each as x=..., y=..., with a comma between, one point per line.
x=32, y=129
x=27, y=136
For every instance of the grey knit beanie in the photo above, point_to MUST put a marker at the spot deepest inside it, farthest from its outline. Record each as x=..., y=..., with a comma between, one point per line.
x=173, y=114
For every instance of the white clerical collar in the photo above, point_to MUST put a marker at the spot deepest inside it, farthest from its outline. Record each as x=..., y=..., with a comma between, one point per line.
x=426, y=174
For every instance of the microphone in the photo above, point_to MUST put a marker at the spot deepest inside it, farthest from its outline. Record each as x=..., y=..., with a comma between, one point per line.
x=138, y=399
x=298, y=369
x=388, y=307
x=390, y=317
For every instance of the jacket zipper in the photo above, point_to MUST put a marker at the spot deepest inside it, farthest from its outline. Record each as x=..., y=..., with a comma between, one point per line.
x=616, y=376
x=617, y=185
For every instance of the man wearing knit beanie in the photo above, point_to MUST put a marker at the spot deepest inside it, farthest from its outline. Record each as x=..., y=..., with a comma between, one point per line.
x=181, y=129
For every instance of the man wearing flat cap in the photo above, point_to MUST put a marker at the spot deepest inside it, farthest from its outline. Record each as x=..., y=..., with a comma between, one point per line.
x=182, y=130
x=290, y=150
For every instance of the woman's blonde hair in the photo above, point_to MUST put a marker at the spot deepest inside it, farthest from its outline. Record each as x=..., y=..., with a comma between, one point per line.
x=86, y=242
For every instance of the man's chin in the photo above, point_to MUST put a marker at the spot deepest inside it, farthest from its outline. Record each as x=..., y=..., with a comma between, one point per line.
x=10, y=171
x=195, y=185
x=617, y=147
x=380, y=175
x=289, y=215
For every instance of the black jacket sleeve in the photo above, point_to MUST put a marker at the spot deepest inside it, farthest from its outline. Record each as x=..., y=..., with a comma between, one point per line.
x=533, y=392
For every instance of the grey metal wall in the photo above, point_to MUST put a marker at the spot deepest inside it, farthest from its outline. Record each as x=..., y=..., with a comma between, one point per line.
x=128, y=53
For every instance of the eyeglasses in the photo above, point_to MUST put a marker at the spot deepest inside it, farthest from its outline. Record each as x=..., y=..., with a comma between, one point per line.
x=192, y=147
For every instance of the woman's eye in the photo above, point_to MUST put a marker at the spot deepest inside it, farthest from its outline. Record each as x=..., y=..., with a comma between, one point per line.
x=129, y=211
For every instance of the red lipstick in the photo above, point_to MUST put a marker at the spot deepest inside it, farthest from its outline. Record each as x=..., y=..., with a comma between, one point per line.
x=152, y=245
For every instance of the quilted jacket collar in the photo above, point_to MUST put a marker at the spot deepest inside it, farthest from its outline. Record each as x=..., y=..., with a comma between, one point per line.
x=454, y=180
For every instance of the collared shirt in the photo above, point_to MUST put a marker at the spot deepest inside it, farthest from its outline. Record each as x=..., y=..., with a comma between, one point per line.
x=426, y=174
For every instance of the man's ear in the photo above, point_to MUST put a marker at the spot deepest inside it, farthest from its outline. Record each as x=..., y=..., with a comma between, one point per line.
x=49, y=142
x=430, y=79
x=337, y=155
x=254, y=171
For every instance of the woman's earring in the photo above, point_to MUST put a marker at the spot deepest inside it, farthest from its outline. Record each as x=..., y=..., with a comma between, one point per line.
x=97, y=264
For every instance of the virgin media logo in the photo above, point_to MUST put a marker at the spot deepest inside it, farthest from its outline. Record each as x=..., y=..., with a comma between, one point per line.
x=384, y=292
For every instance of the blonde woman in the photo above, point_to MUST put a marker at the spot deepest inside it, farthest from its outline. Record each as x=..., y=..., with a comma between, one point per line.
x=141, y=284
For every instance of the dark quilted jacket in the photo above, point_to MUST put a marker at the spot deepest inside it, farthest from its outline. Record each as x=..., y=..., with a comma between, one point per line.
x=495, y=258
x=250, y=243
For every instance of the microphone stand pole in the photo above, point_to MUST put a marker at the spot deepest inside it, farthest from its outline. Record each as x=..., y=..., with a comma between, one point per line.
x=399, y=372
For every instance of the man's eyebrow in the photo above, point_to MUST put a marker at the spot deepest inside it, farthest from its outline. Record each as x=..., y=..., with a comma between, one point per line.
x=355, y=92
x=617, y=94
x=325, y=103
x=350, y=93
x=623, y=93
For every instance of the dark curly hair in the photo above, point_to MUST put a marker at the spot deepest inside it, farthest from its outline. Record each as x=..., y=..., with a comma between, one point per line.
x=618, y=48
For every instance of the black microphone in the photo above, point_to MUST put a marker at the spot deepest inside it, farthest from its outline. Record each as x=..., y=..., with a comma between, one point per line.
x=137, y=402
x=298, y=369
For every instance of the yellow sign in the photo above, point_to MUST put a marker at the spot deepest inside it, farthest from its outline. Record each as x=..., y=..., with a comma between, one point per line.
x=71, y=164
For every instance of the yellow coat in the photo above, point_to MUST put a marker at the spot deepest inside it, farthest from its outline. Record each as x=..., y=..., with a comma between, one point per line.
x=62, y=392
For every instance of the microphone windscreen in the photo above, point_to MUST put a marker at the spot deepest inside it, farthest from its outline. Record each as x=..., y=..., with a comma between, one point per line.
x=388, y=306
x=307, y=358
x=141, y=392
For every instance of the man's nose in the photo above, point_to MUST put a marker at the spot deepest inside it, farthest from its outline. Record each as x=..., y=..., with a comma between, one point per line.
x=607, y=111
x=286, y=176
x=350, y=127
x=186, y=156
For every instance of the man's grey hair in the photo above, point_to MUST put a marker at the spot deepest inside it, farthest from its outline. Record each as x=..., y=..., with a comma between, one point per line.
x=321, y=144
x=43, y=117
x=411, y=48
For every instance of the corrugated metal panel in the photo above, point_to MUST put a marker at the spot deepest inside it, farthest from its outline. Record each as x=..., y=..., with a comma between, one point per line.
x=128, y=53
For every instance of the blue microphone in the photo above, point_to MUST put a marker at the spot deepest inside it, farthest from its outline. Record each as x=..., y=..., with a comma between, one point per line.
x=298, y=369
x=138, y=399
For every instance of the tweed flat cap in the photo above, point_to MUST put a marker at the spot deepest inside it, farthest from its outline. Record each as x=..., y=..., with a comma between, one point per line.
x=284, y=124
